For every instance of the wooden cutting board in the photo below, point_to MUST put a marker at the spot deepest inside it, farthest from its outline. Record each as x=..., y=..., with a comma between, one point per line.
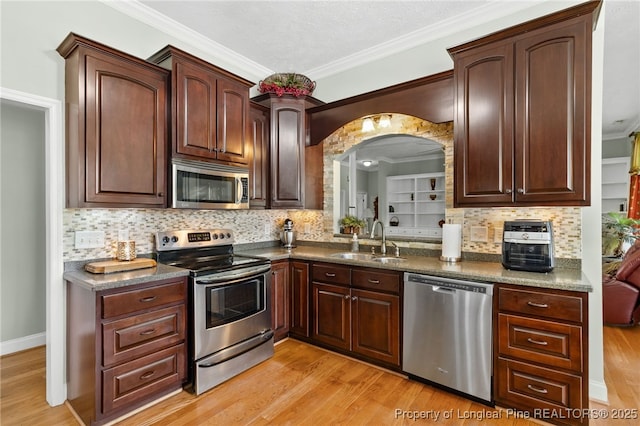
x=109, y=266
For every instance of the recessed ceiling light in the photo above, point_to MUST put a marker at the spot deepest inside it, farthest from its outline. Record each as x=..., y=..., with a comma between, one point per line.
x=367, y=163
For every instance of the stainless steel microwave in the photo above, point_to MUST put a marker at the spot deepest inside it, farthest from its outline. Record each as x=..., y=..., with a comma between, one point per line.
x=202, y=185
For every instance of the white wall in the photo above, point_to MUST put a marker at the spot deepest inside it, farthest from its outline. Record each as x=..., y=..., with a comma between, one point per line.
x=22, y=227
x=592, y=224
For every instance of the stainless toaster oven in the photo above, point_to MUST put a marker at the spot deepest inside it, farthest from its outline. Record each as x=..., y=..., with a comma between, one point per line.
x=527, y=245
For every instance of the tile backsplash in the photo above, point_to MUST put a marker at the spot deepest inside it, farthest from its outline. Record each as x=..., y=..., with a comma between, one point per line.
x=249, y=226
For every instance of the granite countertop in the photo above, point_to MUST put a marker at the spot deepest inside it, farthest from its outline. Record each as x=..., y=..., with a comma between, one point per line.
x=98, y=282
x=559, y=278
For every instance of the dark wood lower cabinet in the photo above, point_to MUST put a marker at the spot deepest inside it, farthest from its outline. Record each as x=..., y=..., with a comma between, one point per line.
x=357, y=311
x=126, y=347
x=541, y=354
x=375, y=323
x=280, y=299
x=299, y=294
x=332, y=315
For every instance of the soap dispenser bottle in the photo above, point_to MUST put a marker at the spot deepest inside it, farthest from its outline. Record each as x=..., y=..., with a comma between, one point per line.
x=355, y=245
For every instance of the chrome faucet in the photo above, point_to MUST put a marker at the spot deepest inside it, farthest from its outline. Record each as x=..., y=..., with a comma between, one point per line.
x=383, y=246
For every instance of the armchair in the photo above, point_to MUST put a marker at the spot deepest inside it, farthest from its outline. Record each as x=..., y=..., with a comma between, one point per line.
x=621, y=293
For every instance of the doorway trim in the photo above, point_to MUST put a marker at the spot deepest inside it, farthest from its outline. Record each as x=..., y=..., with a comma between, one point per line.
x=56, y=386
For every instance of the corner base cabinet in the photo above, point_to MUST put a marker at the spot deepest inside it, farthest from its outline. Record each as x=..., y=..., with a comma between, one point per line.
x=541, y=353
x=126, y=347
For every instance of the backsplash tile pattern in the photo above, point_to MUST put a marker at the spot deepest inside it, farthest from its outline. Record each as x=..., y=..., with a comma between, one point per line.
x=249, y=226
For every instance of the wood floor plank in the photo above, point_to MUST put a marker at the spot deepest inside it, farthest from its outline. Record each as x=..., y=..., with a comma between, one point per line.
x=306, y=385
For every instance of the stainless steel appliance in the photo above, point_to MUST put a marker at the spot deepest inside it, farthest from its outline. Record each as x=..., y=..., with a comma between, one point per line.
x=447, y=333
x=202, y=185
x=229, y=308
x=288, y=236
x=527, y=245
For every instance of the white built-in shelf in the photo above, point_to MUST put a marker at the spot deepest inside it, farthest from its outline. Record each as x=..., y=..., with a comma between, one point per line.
x=615, y=184
x=417, y=202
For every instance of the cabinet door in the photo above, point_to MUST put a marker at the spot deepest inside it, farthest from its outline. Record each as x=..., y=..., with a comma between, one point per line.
x=332, y=315
x=299, y=294
x=126, y=134
x=280, y=299
x=483, y=146
x=258, y=157
x=553, y=92
x=233, y=115
x=195, y=120
x=287, y=153
x=376, y=325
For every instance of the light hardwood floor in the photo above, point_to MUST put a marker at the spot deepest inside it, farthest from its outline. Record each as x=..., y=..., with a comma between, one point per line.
x=302, y=385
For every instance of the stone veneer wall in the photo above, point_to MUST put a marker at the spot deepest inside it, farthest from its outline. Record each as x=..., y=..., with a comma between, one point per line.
x=567, y=223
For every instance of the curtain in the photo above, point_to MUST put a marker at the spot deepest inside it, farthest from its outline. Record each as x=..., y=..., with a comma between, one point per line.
x=634, y=185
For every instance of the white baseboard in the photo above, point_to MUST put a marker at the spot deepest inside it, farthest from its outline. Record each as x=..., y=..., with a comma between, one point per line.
x=598, y=392
x=22, y=343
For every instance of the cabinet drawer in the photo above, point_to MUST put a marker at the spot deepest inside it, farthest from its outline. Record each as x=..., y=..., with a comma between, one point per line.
x=333, y=274
x=550, y=343
x=132, y=337
x=527, y=387
x=143, y=379
x=376, y=280
x=548, y=305
x=126, y=302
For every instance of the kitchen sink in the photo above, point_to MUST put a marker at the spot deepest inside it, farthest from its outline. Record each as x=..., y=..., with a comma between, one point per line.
x=353, y=256
x=388, y=259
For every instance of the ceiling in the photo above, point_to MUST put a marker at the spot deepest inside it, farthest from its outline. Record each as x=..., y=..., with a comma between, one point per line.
x=318, y=38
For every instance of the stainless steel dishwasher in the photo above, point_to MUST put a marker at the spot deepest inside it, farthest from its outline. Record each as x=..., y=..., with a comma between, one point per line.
x=447, y=333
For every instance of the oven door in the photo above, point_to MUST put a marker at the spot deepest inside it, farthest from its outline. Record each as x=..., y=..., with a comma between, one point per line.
x=230, y=307
x=532, y=257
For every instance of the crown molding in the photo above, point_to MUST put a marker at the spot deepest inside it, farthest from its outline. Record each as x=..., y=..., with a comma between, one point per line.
x=623, y=134
x=480, y=16
x=151, y=17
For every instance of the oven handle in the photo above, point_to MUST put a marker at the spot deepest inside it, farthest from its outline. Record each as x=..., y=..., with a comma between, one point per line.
x=224, y=278
x=244, y=348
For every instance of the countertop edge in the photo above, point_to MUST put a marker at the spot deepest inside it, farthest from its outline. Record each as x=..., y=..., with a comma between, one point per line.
x=558, y=279
x=98, y=282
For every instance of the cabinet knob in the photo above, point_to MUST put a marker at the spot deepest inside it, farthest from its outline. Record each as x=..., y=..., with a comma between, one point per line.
x=354, y=298
x=160, y=194
x=520, y=191
x=508, y=191
x=346, y=297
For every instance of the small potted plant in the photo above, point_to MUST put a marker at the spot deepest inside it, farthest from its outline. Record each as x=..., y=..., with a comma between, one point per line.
x=351, y=224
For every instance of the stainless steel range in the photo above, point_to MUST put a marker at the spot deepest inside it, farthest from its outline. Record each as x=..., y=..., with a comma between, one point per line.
x=229, y=308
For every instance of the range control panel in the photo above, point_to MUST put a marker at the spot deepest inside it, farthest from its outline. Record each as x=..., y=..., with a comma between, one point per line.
x=185, y=239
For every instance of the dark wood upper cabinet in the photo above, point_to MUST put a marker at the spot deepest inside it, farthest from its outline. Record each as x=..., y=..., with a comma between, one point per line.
x=258, y=156
x=523, y=113
x=210, y=109
x=116, y=123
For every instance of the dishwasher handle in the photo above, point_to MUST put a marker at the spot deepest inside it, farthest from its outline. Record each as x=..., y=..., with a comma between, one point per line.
x=451, y=285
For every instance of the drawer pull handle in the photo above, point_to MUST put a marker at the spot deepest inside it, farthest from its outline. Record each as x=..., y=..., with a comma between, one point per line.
x=538, y=305
x=373, y=281
x=147, y=375
x=537, y=389
x=537, y=342
x=147, y=332
x=148, y=299
x=329, y=274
